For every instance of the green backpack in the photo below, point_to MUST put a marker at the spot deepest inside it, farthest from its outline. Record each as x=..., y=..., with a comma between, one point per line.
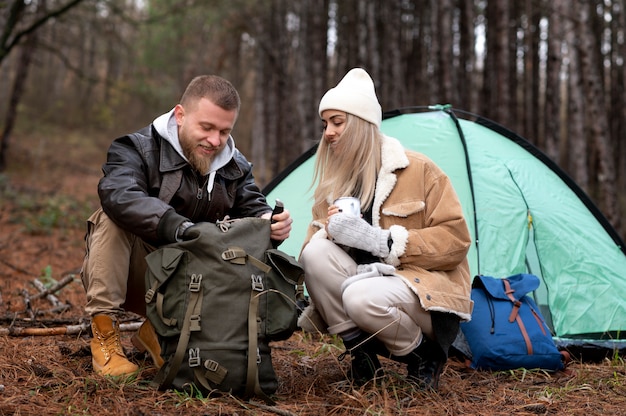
x=216, y=301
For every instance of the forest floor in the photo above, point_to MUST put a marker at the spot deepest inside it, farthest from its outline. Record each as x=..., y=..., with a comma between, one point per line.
x=45, y=196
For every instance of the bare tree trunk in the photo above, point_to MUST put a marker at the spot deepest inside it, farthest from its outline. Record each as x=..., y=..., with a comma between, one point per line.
x=598, y=123
x=618, y=93
x=309, y=70
x=515, y=50
x=501, y=95
x=467, y=82
x=496, y=77
x=277, y=42
x=621, y=149
x=347, y=47
x=16, y=94
x=445, y=56
x=531, y=72
x=391, y=83
x=414, y=56
x=369, y=55
x=553, y=70
x=577, y=164
x=261, y=102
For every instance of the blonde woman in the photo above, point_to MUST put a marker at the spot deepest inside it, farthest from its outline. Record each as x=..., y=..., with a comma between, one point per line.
x=394, y=280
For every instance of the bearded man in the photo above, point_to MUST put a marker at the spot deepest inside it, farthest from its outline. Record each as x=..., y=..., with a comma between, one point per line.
x=158, y=182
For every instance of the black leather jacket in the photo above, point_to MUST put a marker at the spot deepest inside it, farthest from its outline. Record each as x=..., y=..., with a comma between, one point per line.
x=133, y=174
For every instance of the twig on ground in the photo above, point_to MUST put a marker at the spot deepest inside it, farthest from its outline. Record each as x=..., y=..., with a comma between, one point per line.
x=17, y=269
x=29, y=309
x=272, y=409
x=43, y=291
x=62, y=330
x=57, y=305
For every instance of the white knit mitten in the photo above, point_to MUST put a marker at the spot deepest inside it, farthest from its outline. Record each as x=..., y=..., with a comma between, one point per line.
x=381, y=268
x=355, y=232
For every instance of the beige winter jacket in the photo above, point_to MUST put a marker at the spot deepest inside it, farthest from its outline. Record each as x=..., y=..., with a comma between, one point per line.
x=415, y=200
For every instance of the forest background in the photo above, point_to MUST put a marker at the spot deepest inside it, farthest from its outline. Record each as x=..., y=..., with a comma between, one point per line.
x=551, y=70
x=75, y=74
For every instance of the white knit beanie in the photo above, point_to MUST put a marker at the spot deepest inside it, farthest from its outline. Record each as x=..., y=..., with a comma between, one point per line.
x=354, y=94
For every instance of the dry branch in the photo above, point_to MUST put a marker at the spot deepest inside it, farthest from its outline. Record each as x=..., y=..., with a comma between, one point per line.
x=60, y=330
x=29, y=309
x=273, y=409
x=57, y=305
x=16, y=268
x=43, y=291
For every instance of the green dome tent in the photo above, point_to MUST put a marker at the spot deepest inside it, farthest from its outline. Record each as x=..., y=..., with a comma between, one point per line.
x=524, y=213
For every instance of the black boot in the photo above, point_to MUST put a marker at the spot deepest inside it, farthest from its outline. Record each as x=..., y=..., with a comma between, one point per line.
x=365, y=365
x=424, y=364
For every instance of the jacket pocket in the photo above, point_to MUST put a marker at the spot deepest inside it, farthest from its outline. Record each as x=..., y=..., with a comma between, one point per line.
x=405, y=208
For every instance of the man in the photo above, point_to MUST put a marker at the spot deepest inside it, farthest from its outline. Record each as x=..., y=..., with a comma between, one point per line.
x=182, y=169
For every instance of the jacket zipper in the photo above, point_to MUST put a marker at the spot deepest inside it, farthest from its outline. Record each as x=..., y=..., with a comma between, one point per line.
x=200, y=192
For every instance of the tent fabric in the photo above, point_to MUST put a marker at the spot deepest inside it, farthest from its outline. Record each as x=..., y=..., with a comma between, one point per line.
x=524, y=213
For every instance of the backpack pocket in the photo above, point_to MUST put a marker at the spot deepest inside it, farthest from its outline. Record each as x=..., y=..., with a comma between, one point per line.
x=166, y=312
x=277, y=306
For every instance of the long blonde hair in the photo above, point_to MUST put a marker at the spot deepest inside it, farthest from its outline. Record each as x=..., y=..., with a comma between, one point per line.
x=352, y=169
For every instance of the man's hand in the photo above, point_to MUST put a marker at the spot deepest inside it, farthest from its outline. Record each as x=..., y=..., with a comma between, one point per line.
x=281, y=226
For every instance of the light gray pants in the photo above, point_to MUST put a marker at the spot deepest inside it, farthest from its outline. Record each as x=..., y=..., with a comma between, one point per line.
x=114, y=268
x=380, y=305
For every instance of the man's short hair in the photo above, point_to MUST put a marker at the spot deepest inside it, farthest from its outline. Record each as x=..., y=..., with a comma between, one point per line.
x=216, y=89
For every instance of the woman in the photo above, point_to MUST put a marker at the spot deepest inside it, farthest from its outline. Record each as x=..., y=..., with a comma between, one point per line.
x=394, y=281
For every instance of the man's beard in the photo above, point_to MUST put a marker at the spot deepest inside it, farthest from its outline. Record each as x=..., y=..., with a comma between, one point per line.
x=200, y=163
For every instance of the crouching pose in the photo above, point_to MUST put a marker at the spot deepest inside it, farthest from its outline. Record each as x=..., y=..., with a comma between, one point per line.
x=182, y=169
x=394, y=280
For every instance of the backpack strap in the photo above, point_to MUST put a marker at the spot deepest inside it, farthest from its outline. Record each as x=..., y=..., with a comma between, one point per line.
x=514, y=316
x=253, y=386
x=254, y=356
x=191, y=323
x=238, y=255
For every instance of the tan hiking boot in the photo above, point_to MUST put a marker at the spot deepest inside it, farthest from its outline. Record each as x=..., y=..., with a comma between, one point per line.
x=108, y=356
x=146, y=340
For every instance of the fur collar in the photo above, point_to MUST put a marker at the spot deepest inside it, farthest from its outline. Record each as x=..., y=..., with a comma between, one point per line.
x=393, y=158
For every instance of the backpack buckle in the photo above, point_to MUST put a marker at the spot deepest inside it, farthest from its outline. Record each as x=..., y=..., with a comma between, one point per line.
x=194, y=323
x=195, y=284
x=149, y=295
x=257, y=282
x=194, y=357
x=235, y=255
x=215, y=373
x=211, y=365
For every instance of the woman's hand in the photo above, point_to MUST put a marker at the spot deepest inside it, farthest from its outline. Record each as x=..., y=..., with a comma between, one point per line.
x=352, y=231
x=332, y=210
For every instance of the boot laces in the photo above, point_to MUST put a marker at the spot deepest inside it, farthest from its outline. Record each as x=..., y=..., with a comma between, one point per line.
x=110, y=344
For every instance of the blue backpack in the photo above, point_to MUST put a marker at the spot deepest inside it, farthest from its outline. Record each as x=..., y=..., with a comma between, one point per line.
x=507, y=330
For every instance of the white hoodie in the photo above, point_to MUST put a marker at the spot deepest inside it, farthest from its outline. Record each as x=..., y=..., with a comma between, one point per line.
x=166, y=126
